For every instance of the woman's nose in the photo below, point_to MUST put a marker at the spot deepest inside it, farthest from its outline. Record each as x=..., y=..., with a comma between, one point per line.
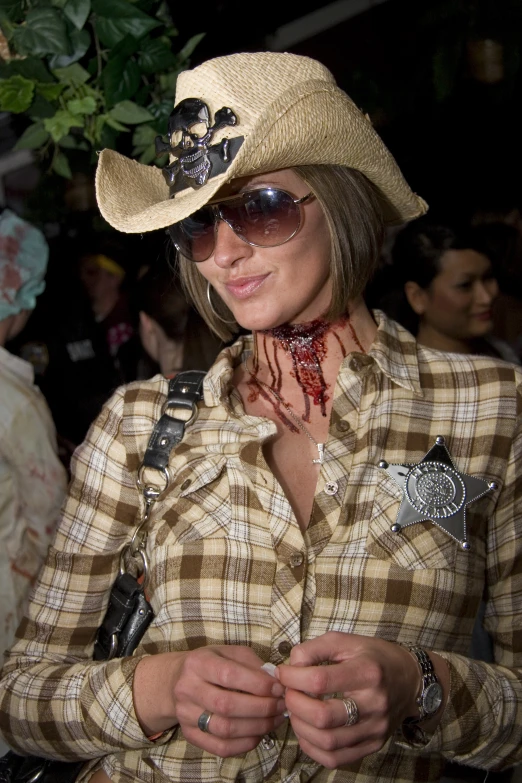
x=229, y=248
x=488, y=290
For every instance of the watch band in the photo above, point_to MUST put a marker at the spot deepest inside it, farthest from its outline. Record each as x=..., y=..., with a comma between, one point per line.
x=430, y=696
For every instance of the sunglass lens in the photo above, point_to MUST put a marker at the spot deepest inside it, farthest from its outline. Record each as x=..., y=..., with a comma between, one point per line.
x=265, y=218
x=194, y=236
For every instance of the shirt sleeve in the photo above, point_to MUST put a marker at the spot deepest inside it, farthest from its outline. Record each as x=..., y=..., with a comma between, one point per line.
x=54, y=700
x=482, y=723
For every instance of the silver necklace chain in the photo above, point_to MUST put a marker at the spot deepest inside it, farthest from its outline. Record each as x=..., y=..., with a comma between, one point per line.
x=319, y=446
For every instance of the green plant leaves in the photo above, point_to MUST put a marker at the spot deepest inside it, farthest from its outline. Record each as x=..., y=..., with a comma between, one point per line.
x=88, y=73
x=73, y=75
x=119, y=18
x=85, y=105
x=16, y=94
x=33, y=137
x=61, y=123
x=130, y=113
x=77, y=12
x=43, y=33
x=120, y=79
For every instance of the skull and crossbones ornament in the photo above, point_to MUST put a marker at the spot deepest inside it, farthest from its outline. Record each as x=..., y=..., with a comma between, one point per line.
x=195, y=156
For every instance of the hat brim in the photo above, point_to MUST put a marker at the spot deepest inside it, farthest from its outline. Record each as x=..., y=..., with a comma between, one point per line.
x=135, y=198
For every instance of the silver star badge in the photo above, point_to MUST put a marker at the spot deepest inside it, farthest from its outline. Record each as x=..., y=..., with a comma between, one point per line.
x=435, y=491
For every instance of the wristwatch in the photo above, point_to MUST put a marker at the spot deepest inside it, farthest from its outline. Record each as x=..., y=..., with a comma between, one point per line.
x=430, y=697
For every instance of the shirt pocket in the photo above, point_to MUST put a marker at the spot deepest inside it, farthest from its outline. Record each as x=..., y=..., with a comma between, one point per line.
x=422, y=545
x=196, y=505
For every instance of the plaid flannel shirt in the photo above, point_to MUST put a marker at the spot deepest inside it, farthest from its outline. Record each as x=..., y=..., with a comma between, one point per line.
x=229, y=565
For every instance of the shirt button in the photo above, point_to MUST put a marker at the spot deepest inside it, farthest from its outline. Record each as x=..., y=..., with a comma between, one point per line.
x=343, y=426
x=186, y=484
x=331, y=487
x=285, y=648
x=296, y=559
x=267, y=742
x=355, y=364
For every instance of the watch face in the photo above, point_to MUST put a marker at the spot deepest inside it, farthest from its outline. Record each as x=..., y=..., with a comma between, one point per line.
x=432, y=698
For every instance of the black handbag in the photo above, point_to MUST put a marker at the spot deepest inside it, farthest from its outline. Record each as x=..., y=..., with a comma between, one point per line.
x=129, y=613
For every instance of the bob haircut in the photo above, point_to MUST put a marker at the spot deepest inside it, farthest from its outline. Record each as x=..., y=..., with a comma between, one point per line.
x=355, y=222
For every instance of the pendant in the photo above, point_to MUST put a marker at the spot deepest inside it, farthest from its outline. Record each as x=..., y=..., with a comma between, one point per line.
x=320, y=449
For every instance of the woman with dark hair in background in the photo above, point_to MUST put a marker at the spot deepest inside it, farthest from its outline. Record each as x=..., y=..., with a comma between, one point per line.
x=172, y=333
x=443, y=288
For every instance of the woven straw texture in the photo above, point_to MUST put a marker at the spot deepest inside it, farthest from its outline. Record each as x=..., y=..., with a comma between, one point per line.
x=290, y=112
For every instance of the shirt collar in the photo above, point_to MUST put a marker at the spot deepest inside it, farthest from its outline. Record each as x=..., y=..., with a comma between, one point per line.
x=394, y=350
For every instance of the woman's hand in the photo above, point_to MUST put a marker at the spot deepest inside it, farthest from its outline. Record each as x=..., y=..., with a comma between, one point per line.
x=227, y=681
x=381, y=677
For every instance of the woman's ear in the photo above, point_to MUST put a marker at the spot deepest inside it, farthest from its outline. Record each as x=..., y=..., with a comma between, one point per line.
x=416, y=296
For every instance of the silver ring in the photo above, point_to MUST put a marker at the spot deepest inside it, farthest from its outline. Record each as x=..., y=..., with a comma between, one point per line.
x=352, y=712
x=203, y=721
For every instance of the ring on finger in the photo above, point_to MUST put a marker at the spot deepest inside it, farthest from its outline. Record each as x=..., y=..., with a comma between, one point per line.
x=203, y=721
x=352, y=712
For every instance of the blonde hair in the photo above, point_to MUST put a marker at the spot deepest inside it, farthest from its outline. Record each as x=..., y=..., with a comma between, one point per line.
x=355, y=222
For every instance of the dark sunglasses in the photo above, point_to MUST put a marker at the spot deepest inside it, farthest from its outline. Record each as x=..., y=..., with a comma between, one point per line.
x=266, y=217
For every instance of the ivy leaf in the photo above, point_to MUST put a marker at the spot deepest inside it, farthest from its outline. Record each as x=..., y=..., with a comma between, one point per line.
x=74, y=75
x=143, y=136
x=71, y=142
x=51, y=92
x=112, y=123
x=148, y=154
x=155, y=55
x=121, y=79
x=85, y=105
x=61, y=166
x=43, y=33
x=16, y=94
x=32, y=138
x=12, y=10
x=130, y=113
x=30, y=67
x=189, y=47
x=80, y=42
x=77, y=12
x=119, y=18
x=61, y=123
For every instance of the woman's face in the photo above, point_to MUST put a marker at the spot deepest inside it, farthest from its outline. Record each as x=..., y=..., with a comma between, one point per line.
x=265, y=287
x=458, y=302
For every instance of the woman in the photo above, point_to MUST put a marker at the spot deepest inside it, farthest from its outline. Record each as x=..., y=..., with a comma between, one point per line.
x=171, y=332
x=314, y=515
x=448, y=289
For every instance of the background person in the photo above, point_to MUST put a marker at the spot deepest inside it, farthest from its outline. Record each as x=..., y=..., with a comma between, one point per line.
x=444, y=288
x=32, y=478
x=171, y=332
x=288, y=534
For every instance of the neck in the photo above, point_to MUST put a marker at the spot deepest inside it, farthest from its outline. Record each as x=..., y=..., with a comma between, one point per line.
x=442, y=342
x=102, y=305
x=301, y=361
x=170, y=356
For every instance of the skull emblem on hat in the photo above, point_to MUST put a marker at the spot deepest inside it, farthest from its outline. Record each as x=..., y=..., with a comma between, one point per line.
x=191, y=119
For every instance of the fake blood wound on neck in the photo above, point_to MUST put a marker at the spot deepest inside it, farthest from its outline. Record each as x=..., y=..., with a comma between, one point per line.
x=307, y=346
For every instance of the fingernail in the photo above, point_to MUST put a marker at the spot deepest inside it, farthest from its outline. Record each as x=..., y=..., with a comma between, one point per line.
x=277, y=690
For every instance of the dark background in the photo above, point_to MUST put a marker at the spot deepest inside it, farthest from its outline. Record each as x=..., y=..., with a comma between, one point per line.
x=445, y=102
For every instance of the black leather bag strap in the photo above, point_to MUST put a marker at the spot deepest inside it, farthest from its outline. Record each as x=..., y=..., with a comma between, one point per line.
x=185, y=391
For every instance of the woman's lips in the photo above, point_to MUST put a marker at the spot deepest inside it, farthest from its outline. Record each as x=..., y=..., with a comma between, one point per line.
x=487, y=315
x=244, y=287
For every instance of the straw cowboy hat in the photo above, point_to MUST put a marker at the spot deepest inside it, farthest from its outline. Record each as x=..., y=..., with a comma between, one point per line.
x=246, y=114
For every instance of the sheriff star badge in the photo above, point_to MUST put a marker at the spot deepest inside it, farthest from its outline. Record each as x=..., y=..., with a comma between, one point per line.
x=435, y=491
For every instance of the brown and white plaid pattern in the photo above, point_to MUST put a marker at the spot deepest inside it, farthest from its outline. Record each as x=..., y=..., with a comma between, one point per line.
x=222, y=568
